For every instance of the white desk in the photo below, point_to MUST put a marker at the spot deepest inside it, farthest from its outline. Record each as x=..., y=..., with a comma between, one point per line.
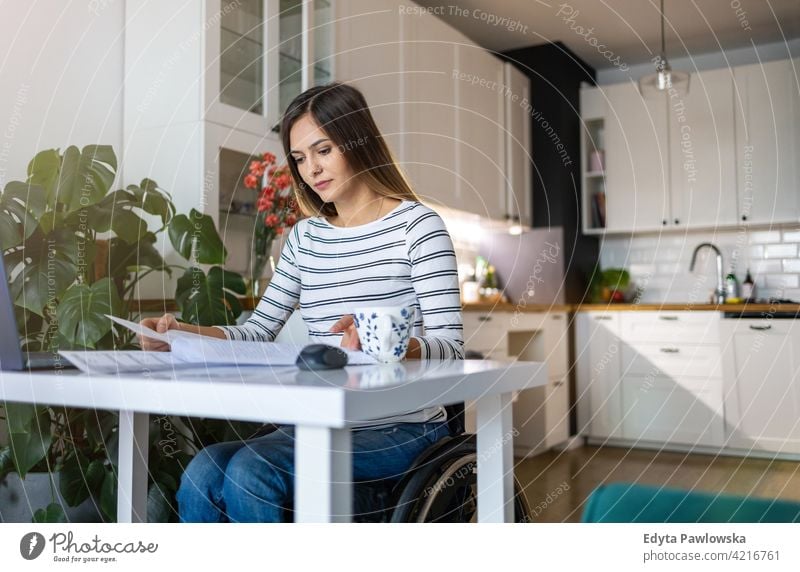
x=321, y=405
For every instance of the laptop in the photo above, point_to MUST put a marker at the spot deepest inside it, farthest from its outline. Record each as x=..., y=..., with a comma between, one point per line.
x=12, y=358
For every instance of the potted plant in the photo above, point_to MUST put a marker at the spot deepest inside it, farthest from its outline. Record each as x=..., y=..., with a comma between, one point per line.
x=74, y=251
x=609, y=285
x=276, y=210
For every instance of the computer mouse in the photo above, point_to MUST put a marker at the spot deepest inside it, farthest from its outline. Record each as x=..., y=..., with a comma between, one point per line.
x=321, y=356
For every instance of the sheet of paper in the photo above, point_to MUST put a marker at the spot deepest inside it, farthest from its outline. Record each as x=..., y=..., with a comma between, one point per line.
x=212, y=351
x=114, y=361
x=168, y=337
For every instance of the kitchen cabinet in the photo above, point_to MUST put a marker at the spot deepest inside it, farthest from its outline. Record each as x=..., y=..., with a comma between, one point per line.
x=597, y=352
x=204, y=82
x=673, y=163
x=541, y=415
x=637, y=160
x=593, y=201
x=702, y=153
x=480, y=141
x=430, y=141
x=517, y=123
x=369, y=46
x=767, y=110
x=651, y=377
x=762, y=384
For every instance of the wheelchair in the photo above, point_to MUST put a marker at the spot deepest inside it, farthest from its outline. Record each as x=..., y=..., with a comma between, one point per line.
x=440, y=485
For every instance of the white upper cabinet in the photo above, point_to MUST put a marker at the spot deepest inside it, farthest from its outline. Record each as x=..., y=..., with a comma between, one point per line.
x=236, y=64
x=430, y=142
x=517, y=146
x=726, y=154
x=369, y=57
x=637, y=167
x=702, y=152
x=481, y=140
x=767, y=110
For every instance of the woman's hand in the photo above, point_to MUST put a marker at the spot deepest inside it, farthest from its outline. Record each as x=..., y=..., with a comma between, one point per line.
x=161, y=325
x=347, y=325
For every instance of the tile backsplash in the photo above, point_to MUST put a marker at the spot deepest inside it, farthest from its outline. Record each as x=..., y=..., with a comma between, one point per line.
x=659, y=263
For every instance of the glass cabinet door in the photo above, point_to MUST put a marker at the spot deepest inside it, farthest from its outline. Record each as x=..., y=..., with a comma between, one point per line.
x=242, y=48
x=290, y=51
x=260, y=59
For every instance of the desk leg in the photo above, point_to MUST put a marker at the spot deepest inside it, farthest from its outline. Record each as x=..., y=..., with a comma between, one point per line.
x=132, y=467
x=495, y=459
x=323, y=475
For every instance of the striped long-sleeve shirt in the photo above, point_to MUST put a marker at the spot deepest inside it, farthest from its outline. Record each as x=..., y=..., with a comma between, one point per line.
x=404, y=258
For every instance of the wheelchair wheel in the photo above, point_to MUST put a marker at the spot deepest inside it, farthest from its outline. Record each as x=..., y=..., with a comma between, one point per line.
x=446, y=490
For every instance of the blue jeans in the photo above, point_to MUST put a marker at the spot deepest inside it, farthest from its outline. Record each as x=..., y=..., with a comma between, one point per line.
x=253, y=481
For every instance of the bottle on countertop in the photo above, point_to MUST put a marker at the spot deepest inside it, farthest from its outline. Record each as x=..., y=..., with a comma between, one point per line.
x=748, y=287
x=731, y=286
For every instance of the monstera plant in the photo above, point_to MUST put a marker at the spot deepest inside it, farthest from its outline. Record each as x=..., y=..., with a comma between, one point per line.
x=74, y=251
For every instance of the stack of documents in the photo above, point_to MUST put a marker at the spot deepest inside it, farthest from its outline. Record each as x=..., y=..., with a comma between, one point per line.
x=193, y=351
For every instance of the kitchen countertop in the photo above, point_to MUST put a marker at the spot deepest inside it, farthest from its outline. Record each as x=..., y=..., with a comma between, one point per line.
x=509, y=307
x=623, y=307
x=687, y=307
x=249, y=304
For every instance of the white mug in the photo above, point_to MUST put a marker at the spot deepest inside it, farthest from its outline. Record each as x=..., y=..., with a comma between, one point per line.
x=384, y=331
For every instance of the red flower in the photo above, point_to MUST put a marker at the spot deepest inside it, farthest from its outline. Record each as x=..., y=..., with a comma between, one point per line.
x=283, y=180
x=251, y=181
x=269, y=157
x=263, y=204
x=271, y=171
x=290, y=220
x=271, y=220
x=268, y=192
x=256, y=168
x=279, y=230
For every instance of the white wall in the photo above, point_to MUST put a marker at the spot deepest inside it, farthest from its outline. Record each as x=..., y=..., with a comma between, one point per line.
x=61, y=73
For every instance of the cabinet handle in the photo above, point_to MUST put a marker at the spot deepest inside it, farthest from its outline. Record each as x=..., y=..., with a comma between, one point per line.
x=761, y=328
x=664, y=222
x=744, y=217
x=484, y=318
x=670, y=318
x=557, y=317
x=669, y=350
x=602, y=317
x=677, y=221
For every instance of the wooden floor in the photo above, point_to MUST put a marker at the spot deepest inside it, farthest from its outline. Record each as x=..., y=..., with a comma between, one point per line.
x=557, y=483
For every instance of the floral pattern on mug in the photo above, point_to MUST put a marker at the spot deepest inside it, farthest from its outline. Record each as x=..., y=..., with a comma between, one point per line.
x=384, y=334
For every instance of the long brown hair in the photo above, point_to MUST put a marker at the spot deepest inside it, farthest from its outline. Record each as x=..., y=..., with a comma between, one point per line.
x=342, y=112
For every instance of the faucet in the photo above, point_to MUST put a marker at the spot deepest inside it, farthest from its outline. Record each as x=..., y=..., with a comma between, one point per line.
x=719, y=294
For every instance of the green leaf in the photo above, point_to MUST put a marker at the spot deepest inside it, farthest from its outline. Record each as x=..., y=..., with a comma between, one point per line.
x=19, y=416
x=44, y=170
x=208, y=300
x=114, y=212
x=85, y=177
x=73, y=483
x=81, y=313
x=153, y=200
x=199, y=233
x=31, y=446
x=6, y=461
x=20, y=204
x=108, y=496
x=159, y=503
x=49, y=265
x=53, y=513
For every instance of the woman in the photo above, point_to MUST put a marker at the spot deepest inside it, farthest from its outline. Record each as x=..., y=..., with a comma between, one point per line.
x=368, y=240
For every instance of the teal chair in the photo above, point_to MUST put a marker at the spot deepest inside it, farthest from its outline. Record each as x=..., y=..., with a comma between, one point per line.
x=627, y=502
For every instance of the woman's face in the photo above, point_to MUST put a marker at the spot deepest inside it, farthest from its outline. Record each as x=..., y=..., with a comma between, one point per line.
x=320, y=162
